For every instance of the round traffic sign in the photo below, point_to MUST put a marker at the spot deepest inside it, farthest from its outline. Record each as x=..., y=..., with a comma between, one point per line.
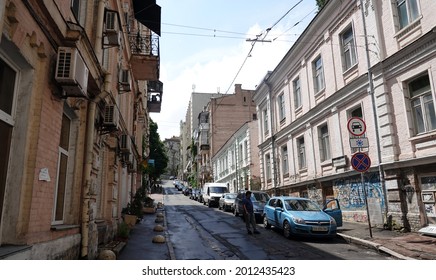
x=356, y=126
x=360, y=162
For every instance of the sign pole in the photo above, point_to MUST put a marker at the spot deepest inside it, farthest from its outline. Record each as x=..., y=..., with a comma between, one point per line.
x=366, y=203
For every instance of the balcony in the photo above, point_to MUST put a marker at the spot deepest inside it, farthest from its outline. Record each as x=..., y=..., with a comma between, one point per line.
x=155, y=90
x=145, y=58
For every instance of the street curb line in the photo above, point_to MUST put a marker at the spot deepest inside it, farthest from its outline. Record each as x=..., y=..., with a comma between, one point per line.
x=373, y=245
x=167, y=236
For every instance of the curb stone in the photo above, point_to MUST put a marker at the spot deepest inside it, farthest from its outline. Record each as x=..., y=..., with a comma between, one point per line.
x=374, y=246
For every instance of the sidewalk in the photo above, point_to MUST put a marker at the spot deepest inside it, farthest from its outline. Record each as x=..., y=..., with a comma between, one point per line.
x=405, y=246
x=140, y=245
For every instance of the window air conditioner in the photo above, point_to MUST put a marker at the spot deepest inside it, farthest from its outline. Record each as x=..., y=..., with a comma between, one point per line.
x=110, y=118
x=125, y=143
x=132, y=166
x=71, y=72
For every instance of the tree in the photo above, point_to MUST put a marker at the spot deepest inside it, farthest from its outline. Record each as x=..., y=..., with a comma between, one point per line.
x=321, y=3
x=157, y=154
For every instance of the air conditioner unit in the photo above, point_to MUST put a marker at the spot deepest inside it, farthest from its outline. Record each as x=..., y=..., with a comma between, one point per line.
x=124, y=80
x=111, y=116
x=71, y=72
x=112, y=39
x=125, y=143
x=132, y=166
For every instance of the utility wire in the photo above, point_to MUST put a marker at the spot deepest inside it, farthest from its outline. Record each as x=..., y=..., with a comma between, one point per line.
x=254, y=41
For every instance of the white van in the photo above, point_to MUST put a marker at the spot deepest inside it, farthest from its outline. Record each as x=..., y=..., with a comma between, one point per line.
x=212, y=193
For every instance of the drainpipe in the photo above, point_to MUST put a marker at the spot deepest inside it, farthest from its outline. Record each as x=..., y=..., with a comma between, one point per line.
x=374, y=111
x=89, y=142
x=89, y=139
x=273, y=148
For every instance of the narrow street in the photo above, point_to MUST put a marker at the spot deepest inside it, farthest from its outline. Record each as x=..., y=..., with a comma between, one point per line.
x=198, y=232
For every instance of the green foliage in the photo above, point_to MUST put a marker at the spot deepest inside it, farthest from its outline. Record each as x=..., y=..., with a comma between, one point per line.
x=321, y=3
x=192, y=180
x=123, y=230
x=157, y=153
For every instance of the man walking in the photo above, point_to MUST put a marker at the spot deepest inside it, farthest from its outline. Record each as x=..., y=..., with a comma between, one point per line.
x=250, y=220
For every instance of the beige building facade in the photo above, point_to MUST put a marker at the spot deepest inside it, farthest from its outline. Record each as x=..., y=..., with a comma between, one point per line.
x=370, y=61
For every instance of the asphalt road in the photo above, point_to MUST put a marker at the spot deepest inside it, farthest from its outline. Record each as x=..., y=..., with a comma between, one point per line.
x=198, y=232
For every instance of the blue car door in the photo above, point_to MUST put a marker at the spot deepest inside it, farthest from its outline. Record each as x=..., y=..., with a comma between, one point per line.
x=333, y=209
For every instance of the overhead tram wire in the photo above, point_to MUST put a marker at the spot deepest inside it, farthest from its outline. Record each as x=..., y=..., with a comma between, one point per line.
x=254, y=41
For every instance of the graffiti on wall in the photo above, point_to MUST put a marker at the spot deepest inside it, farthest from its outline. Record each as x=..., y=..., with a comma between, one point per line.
x=351, y=193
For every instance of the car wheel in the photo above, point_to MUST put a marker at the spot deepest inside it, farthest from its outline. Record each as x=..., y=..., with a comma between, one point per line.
x=266, y=224
x=287, y=229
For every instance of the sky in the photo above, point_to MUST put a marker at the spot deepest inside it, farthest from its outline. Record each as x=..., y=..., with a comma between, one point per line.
x=204, y=48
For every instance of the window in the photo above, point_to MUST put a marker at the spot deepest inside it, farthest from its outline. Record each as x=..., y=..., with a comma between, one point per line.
x=245, y=149
x=282, y=108
x=301, y=153
x=318, y=75
x=268, y=167
x=75, y=6
x=285, y=164
x=7, y=90
x=357, y=112
x=407, y=12
x=265, y=121
x=348, y=49
x=422, y=104
x=324, y=143
x=297, y=93
x=61, y=183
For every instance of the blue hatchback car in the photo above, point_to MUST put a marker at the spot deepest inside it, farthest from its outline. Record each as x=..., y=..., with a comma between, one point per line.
x=302, y=217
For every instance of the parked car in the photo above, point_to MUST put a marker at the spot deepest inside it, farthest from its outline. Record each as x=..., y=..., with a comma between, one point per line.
x=298, y=216
x=259, y=199
x=194, y=194
x=212, y=193
x=187, y=191
x=227, y=201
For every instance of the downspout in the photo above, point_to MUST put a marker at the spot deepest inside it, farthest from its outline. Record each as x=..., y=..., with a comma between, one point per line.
x=90, y=127
x=273, y=148
x=89, y=138
x=374, y=111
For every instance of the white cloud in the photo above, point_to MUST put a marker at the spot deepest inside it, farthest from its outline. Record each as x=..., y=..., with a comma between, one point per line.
x=213, y=70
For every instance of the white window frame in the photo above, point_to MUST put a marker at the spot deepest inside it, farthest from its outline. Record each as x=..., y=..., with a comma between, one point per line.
x=301, y=149
x=407, y=11
x=296, y=84
x=348, y=44
x=267, y=167
x=265, y=122
x=423, y=123
x=282, y=107
x=285, y=159
x=318, y=75
x=324, y=143
x=62, y=152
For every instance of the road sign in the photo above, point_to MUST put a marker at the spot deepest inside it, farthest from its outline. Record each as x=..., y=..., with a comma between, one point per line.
x=356, y=126
x=359, y=142
x=360, y=162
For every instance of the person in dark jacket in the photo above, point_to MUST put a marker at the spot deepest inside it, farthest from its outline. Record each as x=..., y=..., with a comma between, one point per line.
x=250, y=220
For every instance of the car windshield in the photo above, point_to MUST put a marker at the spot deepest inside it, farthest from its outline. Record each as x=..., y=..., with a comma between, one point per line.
x=231, y=196
x=217, y=190
x=301, y=205
x=261, y=197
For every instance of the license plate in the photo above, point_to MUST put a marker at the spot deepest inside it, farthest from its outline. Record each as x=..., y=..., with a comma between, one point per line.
x=318, y=228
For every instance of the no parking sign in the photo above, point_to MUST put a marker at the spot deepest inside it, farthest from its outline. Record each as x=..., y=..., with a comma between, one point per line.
x=360, y=162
